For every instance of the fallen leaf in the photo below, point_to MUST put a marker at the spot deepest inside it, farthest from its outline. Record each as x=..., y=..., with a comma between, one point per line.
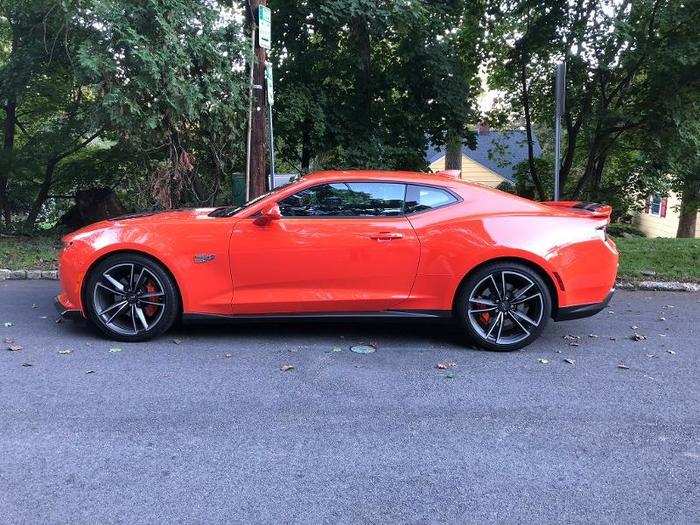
x=228, y=356
x=638, y=337
x=14, y=347
x=611, y=312
x=177, y=341
x=651, y=355
x=8, y=324
x=570, y=361
x=570, y=337
x=9, y=340
x=287, y=368
x=114, y=350
x=445, y=365
x=43, y=317
x=593, y=336
x=672, y=352
x=364, y=349
x=662, y=318
x=634, y=327
x=65, y=352
x=573, y=343
x=450, y=375
x=35, y=306
x=662, y=335
x=613, y=338
x=26, y=364
x=336, y=349
x=543, y=361
x=623, y=366
x=90, y=372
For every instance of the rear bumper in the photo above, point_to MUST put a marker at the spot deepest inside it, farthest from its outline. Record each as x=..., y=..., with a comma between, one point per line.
x=569, y=313
x=66, y=313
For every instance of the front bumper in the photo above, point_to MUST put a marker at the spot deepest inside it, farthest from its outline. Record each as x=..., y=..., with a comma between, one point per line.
x=66, y=313
x=569, y=313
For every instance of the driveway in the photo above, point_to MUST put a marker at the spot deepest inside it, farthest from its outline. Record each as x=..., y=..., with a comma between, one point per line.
x=204, y=426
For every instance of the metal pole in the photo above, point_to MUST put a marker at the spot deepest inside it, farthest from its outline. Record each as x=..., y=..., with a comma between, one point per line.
x=250, y=116
x=560, y=93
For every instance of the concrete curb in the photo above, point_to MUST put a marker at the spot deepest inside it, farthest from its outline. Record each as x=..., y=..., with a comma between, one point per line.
x=659, y=286
x=648, y=286
x=21, y=275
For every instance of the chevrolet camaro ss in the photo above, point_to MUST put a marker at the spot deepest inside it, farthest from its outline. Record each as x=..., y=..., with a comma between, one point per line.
x=348, y=244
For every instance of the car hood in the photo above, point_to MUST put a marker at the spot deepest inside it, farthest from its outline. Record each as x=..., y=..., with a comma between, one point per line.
x=144, y=219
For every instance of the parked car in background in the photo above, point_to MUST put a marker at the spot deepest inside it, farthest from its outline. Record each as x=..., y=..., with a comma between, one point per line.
x=348, y=244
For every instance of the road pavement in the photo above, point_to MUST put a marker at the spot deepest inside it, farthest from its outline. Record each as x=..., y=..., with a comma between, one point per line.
x=202, y=425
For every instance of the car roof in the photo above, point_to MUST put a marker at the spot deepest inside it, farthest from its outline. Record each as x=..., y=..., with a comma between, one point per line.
x=381, y=175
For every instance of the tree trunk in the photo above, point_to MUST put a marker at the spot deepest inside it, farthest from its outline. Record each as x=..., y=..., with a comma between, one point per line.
x=453, y=158
x=7, y=151
x=525, y=96
x=306, y=147
x=258, y=132
x=689, y=208
x=41, y=196
x=360, y=34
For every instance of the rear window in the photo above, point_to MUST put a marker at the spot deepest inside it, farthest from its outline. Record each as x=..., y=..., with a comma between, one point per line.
x=422, y=198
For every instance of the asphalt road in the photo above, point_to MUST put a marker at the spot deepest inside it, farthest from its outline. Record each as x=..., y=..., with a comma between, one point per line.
x=167, y=432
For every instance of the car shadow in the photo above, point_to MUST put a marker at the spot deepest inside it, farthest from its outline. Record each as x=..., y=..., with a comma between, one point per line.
x=351, y=330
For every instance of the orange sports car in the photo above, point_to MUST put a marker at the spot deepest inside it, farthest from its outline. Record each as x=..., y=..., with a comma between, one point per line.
x=348, y=244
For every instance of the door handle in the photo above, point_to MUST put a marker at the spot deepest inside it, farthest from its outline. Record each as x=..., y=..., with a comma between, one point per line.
x=386, y=236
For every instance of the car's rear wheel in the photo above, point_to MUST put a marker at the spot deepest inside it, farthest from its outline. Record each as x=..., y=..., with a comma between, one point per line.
x=131, y=298
x=504, y=306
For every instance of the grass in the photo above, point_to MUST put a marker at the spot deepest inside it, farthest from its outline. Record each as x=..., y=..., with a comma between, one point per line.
x=671, y=259
x=29, y=253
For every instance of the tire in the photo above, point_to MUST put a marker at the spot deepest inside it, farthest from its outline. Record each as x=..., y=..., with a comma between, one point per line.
x=499, y=323
x=131, y=298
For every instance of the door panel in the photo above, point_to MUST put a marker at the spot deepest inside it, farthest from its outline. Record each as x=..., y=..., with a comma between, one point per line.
x=297, y=265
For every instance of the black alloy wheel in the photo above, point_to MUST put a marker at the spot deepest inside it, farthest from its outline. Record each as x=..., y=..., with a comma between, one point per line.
x=504, y=306
x=131, y=298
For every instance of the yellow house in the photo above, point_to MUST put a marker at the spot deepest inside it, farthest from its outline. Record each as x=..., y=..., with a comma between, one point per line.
x=494, y=160
x=660, y=217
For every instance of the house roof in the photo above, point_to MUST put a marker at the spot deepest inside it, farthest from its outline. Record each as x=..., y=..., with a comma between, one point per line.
x=499, y=151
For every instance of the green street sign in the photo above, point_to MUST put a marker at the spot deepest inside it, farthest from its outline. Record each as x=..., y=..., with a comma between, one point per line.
x=269, y=84
x=264, y=27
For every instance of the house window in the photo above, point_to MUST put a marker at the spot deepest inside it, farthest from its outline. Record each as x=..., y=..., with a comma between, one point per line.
x=655, y=205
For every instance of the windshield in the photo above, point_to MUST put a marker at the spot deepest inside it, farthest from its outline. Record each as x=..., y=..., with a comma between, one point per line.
x=229, y=211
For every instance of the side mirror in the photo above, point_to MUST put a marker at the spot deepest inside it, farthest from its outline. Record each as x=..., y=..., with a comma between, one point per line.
x=269, y=214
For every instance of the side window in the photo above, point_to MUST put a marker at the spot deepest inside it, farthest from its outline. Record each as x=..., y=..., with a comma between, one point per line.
x=327, y=200
x=377, y=198
x=354, y=199
x=421, y=198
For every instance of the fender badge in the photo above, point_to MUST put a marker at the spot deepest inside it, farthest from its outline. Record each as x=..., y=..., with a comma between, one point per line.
x=202, y=258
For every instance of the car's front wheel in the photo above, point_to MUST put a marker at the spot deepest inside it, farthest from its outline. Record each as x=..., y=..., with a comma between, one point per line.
x=504, y=306
x=131, y=298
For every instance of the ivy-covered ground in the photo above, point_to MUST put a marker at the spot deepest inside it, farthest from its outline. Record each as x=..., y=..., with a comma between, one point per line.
x=668, y=259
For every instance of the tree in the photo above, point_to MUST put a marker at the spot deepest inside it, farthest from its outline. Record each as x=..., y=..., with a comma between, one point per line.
x=612, y=50
x=171, y=88
x=369, y=84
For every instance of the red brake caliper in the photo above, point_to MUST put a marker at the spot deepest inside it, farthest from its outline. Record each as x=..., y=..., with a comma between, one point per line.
x=150, y=310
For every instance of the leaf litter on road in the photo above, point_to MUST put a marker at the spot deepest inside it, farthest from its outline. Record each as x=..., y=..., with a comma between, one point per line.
x=570, y=361
x=543, y=361
x=9, y=324
x=638, y=337
x=65, y=352
x=115, y=350
x=445, y=365
x=364, y=349
x=287, y=368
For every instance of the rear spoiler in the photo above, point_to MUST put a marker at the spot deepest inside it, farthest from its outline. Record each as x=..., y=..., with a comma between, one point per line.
x=589, y=209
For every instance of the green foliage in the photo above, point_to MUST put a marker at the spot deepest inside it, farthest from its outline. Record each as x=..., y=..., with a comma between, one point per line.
x=29, y=253
x=632, y=67
x=368, y=84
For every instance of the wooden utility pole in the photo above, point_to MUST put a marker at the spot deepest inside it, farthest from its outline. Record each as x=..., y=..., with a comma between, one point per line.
x=257, y=148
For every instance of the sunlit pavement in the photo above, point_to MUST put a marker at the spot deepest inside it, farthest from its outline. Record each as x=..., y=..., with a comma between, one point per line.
x=203, y=425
